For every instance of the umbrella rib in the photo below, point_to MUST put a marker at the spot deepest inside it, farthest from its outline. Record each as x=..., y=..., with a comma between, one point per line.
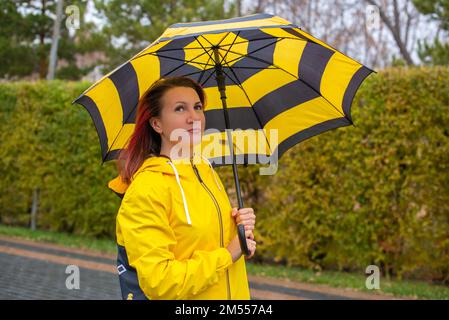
x=207, y=79
x=205, y=50
x=202, y=71
x=233, y=42
x=224, y=37
x=261, y=48
x=185, y=62
x=210, y=56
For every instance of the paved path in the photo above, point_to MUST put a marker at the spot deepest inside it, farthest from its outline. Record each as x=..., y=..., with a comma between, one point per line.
x=34, y=270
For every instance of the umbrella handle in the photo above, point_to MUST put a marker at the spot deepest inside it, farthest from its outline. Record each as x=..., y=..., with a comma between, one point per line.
x=242, y=239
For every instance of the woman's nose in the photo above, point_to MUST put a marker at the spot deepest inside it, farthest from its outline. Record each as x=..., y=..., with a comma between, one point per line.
x=193, y=116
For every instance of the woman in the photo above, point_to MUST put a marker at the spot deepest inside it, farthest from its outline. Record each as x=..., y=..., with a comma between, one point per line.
x=176, y=230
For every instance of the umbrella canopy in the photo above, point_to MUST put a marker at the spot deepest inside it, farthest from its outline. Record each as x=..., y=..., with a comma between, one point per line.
x=261, y=74
x=276, y=77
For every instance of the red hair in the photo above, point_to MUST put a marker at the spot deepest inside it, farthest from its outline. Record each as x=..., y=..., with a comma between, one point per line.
x=145, y=142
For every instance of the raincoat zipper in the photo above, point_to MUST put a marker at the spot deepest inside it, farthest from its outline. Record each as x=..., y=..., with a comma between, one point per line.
x=219, y=219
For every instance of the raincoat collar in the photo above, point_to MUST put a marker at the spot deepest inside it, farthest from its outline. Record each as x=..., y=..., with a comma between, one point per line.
x=181, y=167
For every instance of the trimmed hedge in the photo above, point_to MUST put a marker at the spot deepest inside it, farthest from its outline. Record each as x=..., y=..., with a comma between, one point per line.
x=49, y=144
x=376, y=193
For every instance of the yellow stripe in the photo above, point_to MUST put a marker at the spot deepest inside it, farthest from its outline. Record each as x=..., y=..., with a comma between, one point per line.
x=336, y=77
x=124, y=136
x=264, y=82
x=302, y=116
x=107, y=99
x=234, y=97
x=148, y=71
x=287, y=52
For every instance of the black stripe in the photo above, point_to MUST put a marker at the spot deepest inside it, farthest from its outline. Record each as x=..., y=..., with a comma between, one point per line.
x=282, y=99
x=352, y=88
x=172, y=61
x=91, y=107
x=239, y=118
x=296, y=34
x=312, y=64
x=125, y=81
x=215, y=22
x=112, y=155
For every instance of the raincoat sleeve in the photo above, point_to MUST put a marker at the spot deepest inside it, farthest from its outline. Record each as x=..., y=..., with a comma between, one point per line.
x=148, y=239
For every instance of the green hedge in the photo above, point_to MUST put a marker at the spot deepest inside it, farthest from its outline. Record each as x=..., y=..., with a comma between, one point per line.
x=376, y=193
x=49, y=144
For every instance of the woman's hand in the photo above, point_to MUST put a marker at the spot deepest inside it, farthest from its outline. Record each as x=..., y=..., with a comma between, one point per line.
x=246, y=217
x=235, y=250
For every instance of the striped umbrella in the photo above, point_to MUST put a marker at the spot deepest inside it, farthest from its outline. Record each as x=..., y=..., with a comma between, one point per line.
x=262, y=75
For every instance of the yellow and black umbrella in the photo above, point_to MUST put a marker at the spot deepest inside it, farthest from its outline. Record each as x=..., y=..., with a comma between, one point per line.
x=261, y=74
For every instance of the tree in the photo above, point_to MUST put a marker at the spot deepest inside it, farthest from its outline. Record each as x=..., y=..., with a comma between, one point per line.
x=134, y=24
x=16, y=52
x=26, y=28
x=436, y=53
x=399, y=17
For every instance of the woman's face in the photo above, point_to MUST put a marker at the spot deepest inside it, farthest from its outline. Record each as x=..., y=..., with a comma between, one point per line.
x=181, y=115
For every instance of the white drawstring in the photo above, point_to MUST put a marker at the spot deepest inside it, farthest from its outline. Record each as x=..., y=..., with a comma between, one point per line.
x=213, y=172
x=186, y=209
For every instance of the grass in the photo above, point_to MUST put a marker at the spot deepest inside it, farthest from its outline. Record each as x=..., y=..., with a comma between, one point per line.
x=398, y=288
x=65, y=239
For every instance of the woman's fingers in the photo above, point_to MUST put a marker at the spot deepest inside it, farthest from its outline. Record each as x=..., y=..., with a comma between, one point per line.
x=244, y=216
x=251, y=246
x=249, y=234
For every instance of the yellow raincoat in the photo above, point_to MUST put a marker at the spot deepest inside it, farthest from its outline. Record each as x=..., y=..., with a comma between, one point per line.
x=173, y=227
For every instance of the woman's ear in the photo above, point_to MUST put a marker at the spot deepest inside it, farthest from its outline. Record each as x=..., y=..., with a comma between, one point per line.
x=155, y=123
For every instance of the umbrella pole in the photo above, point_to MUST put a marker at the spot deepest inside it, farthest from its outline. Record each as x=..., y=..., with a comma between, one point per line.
x=222, y=88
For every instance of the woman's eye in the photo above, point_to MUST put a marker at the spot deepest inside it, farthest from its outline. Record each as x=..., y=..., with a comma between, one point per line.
x=179, y=108
x=199, y=107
